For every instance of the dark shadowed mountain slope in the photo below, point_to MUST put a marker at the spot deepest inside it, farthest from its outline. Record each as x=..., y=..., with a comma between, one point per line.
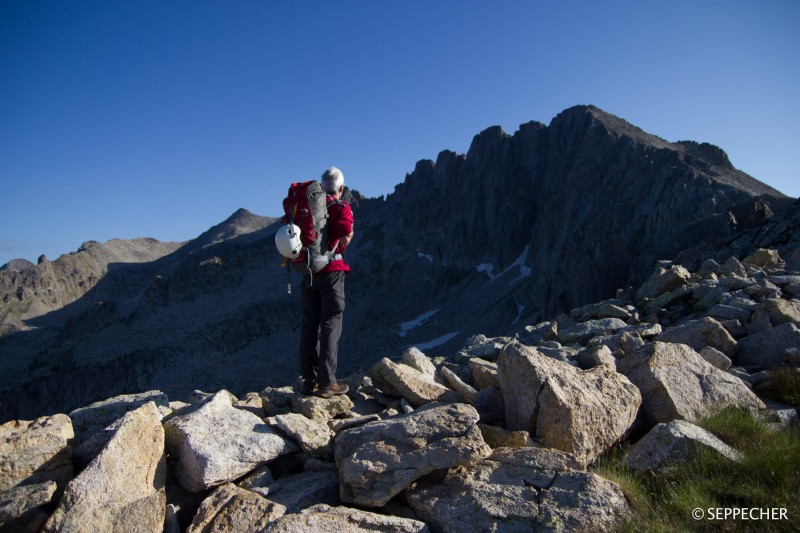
x=519, y=229
x=52, y=285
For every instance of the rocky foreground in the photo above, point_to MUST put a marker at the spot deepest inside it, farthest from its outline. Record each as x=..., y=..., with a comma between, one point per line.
x=501, y=437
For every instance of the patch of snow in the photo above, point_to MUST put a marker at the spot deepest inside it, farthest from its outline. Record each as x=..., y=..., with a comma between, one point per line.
x=519, y=262
x=524, y=270
x=488, y=268
x=424, y=256
x=405, y=327
x=438, y=341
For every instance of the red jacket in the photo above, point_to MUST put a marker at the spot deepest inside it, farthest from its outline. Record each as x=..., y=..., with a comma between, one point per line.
x=340, y=224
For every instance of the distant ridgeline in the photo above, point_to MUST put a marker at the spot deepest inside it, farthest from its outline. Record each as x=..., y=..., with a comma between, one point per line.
x=515, y=232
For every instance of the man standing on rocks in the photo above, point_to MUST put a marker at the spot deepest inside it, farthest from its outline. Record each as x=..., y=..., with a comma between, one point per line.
x=322, y=298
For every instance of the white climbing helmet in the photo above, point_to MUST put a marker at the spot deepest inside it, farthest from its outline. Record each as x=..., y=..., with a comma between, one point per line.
x=287, y=240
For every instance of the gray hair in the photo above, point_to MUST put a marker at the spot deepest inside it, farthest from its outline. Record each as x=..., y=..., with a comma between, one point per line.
x=332, y=180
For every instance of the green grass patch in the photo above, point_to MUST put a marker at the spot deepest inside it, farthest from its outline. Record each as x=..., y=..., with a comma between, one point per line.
x=767, y=478
x=783, y=385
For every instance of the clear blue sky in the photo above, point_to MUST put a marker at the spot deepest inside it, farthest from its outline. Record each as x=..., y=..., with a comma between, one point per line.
x=159, y=119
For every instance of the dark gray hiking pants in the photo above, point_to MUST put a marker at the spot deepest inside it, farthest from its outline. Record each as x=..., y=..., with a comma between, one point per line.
x=323, y=305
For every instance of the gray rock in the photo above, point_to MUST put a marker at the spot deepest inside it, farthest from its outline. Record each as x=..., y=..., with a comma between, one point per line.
x=490, y=406
x=676, y=383
x=455, y=382
x=601, y=310
x=347, y=423
x=217, y=443
x=579, y=412
x=784, y=281
x=37, y=451
x=581, y=333
x=406, y=407
x=484, y=347
x=668, y=444
x=380, y=459
x=627, y=342
x=230, y=509
x=707, y=297
x=582, y=501
x=559, y=353
x=322, y=409
x=726, y=312
x=547, y=460
x=525, y=489
x=782, y=311
x=759, y=323
x=735, y=328
x=732, y=267
x=324, y=519
x=708, y=269
x=123, y=485
x=701, y=333
x=739, y=300
x=261, y=477
x=299, y=491
x=414, y=358
x=171, y=521
x=761, y=289
x=484, y=373
x=788, y=417
x=597, y=356
x=771, y=346
x=489, y=496
x=764, y=258
x=251, y=402
x=17, y=501
x=313, y=436
x=671, y=298
x=663, y=281
x=93, y=418
x=410, y=383
x=716, y=358
x=734, y=283
x=533, y=334
x=277, y=400
x=500, y=493
x=497, y=437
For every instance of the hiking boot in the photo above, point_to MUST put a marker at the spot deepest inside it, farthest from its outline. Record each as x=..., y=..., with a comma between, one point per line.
x=333, y=390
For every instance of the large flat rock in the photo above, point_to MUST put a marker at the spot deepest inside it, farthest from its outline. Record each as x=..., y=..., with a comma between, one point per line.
x=511, y=491
x=378, y=460
x=216, y=443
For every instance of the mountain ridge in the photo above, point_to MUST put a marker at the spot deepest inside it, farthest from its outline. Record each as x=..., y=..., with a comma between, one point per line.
x=519, y=229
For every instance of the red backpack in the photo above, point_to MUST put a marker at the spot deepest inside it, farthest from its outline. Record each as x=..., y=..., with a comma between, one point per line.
x=305, y=206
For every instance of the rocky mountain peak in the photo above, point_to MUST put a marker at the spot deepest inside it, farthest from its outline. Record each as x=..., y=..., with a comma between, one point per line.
x=17, y=265
x=240, y=222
